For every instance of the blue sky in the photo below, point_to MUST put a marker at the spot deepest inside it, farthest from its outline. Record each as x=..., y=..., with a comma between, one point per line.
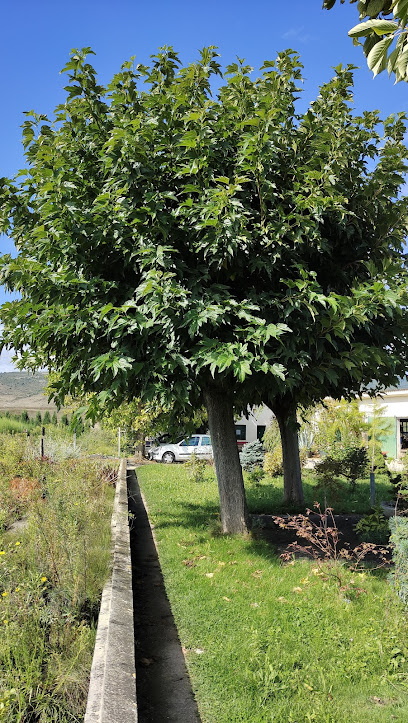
x=38, y=36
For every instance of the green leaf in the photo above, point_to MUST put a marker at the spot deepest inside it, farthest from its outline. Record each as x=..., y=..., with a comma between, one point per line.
x=379, y=27
x=374, y=7
x=377, y=57
x=402, y=62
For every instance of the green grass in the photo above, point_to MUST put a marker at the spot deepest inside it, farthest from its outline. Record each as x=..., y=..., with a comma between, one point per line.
x=267, y=498
x=10, y=425
x=271, y=642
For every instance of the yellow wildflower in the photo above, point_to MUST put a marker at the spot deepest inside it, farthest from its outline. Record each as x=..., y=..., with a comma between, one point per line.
x=43, y=579
x=2, y=552
x=5, y=622
x=4, y=594
x=18, y=543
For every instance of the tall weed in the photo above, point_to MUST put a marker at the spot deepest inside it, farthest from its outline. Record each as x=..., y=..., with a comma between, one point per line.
x=51, y=576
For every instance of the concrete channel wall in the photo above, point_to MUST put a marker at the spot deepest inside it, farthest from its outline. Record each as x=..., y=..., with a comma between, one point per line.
x=112, y=688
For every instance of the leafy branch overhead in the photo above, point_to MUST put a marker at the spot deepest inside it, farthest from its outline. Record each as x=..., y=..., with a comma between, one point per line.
x=383, y=34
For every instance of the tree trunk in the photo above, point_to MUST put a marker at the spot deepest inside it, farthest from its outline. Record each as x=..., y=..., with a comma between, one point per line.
x=234, y=513
x=292, y=476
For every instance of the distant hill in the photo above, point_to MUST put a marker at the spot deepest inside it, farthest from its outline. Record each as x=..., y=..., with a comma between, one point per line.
x=21, y=390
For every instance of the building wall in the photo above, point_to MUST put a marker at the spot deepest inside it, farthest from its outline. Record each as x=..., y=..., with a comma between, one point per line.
x=257, y=416
x=395, y=408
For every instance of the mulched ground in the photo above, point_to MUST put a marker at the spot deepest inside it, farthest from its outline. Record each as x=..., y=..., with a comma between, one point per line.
x=265, y=527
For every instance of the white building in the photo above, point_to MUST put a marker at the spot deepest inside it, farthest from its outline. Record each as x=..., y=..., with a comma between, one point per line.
x=253, y=425
x=395, y=410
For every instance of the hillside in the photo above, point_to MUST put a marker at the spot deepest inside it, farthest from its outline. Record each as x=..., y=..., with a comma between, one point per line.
x=21, y=390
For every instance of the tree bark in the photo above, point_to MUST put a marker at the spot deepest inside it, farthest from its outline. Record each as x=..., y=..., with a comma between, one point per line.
x=285, y=414
x=234, y=512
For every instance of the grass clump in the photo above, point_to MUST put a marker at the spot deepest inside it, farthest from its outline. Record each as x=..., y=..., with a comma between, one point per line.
x=267, y=641
x=52, y=571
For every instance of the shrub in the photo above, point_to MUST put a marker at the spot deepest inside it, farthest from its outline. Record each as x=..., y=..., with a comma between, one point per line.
x=399, y=539
x=399, y=482
x=378, y=464
x=349, y=461
x=256, y=475
x=196, y=468
x=272, y=439
x=339, y=423
x=252, y=455
x=373, y=528
x=273, y=462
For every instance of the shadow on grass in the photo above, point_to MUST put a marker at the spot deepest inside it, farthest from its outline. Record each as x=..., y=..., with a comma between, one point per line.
x=188, y=514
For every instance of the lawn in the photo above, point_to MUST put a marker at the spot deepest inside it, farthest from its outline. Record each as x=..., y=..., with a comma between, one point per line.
x=267, y=641
x=267, y=497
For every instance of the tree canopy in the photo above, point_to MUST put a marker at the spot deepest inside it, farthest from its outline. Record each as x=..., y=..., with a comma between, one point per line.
x=190, y=247
x=384, y=40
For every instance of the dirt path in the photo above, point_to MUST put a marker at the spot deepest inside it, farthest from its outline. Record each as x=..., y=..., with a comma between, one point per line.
x=163, y=687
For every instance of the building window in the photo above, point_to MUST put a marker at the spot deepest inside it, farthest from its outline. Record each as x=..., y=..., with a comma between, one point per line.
x=403, y=435
x=260, y=431
x=240, y=431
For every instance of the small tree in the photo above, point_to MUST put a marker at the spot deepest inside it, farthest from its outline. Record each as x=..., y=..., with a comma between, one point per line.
x=38, y=419
x=64, y=421
x=349, y=461
x=54, y=419
x=252, y=455
x=378, y=429
x=339, y=424
x=24, y=416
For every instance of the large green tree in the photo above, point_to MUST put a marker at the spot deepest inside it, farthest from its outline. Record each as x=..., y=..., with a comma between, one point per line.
x=208, y=249
x=383, y=34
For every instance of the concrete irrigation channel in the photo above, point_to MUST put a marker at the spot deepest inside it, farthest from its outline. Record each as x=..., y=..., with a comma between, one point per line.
x=138, y=669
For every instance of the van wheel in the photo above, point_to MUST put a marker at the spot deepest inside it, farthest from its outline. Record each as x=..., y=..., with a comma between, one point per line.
x=168, y=458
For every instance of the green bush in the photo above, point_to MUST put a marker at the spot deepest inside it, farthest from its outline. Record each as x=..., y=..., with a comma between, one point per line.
x=339, y=423
x=196, y=468
x=399, y=540
x=252, y=455
x=273, y=462
x=373, y=528
x=378, y=464
x=255, y=476
x=349, y=461
x=272, y=438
